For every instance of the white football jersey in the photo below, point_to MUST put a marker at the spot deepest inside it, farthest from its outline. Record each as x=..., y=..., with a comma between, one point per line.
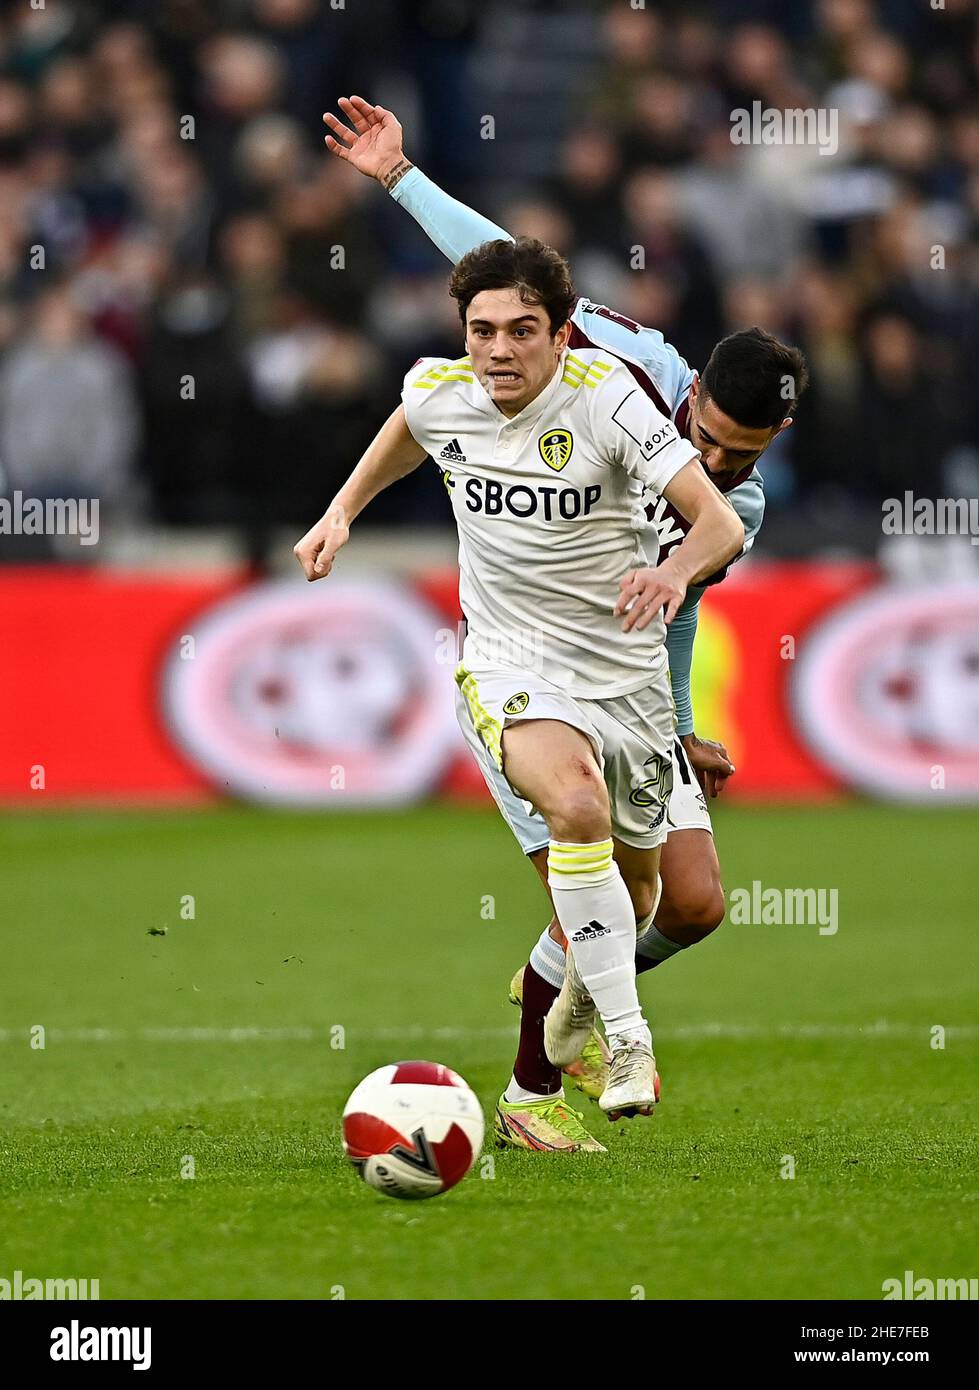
x=549, y=510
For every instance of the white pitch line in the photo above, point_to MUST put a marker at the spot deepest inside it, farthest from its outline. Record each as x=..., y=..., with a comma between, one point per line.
x=790, y=1032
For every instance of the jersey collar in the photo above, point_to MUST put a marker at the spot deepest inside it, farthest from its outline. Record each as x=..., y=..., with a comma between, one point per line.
x=483, y=401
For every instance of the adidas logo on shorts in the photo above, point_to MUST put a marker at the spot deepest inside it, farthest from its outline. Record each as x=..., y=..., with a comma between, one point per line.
x=453, y=452
x=592, y=931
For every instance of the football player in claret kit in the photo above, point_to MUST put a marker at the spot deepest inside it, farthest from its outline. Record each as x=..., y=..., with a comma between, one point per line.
x=564, y=671
x=744, y=399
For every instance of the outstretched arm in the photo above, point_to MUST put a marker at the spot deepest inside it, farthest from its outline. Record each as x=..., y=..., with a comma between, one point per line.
x=373, y=143
x=392, y=454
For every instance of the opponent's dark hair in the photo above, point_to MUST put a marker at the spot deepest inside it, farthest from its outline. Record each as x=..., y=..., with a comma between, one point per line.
x=755, y=379
x=538, y=273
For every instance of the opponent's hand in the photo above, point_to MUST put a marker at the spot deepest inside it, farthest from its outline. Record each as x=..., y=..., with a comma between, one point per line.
x=317, y=549
x=710, y=763
x=374, y=145
x=646, y=592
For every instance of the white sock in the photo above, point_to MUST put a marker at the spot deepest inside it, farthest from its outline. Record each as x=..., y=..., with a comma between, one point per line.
x=595, y=911
x=652, y=944
x=547, y=959
x=516, y=1094
x=630, y=1038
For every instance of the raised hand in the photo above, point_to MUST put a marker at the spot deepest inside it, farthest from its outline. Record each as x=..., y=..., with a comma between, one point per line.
x=372, y=142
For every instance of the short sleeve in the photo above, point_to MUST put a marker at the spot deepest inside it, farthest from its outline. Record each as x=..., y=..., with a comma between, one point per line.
x=668, y=374
x=748, y=500
x=644, y=442
x=419, y=383
x=416, y=375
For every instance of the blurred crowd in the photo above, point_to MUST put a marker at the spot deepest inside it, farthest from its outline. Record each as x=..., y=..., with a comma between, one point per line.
x=204, y=317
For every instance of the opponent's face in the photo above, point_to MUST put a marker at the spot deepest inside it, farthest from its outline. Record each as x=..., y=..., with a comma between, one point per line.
x=726, y=447
x=514, y=354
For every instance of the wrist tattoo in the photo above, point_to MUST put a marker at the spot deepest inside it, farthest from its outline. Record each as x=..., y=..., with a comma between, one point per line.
x=396, y=174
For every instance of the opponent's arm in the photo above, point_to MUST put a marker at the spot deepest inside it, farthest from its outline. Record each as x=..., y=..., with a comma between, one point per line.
x=709, y=760
x=392, y=454
x=716, y=535
x=374, y=146
x=680, y=637
x=372, y=143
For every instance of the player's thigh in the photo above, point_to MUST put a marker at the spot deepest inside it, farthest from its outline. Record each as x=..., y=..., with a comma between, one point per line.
x=553, y=765
x=640, y=869
x=693, y=895
x=527, y=825
x=636, y=731
x=545, y=744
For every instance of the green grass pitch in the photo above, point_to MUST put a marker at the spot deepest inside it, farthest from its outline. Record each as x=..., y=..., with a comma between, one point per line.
x=772, y=1041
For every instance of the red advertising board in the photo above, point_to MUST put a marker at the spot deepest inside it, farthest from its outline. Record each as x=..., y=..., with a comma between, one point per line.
x=79, y=698
x=126, y=687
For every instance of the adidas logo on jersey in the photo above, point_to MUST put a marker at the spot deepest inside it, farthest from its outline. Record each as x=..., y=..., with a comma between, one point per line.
x=592, y=931
x=453, y=451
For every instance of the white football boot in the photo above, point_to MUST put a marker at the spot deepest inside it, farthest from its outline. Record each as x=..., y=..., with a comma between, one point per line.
x=633, y=1083
x=570, y=1019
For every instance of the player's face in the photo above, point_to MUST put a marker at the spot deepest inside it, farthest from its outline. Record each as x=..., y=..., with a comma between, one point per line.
x=514, y=354
x=726, y=447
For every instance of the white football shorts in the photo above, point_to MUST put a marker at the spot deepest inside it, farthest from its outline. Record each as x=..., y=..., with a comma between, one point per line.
x=686, y=807
x=632, y=736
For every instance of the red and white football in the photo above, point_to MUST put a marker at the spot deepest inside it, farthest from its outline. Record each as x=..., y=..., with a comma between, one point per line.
x=412, y=1129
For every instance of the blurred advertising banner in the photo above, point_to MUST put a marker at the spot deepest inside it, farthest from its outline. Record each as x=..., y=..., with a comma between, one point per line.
x=338, y=694
x=819, y=678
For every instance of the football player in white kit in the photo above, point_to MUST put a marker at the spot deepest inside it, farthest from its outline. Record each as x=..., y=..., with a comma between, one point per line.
x=564, y=668
x=731, y=413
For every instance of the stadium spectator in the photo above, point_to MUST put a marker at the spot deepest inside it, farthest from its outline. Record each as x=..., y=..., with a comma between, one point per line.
x=166, y=160
x=69, y=422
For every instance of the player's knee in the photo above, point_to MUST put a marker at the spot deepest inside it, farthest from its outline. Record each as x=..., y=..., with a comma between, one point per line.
x=643, y=894
x=703, y=909
x=580, y=815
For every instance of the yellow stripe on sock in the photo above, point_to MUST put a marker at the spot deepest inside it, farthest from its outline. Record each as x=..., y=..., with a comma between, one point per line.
x=580, y=851
x=580, y=859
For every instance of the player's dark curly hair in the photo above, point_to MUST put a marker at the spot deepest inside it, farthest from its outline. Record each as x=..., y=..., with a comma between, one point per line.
x=538, y=273
x=755, y=379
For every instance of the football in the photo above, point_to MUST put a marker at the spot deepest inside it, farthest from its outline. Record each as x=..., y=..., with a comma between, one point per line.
x=412, y=1129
